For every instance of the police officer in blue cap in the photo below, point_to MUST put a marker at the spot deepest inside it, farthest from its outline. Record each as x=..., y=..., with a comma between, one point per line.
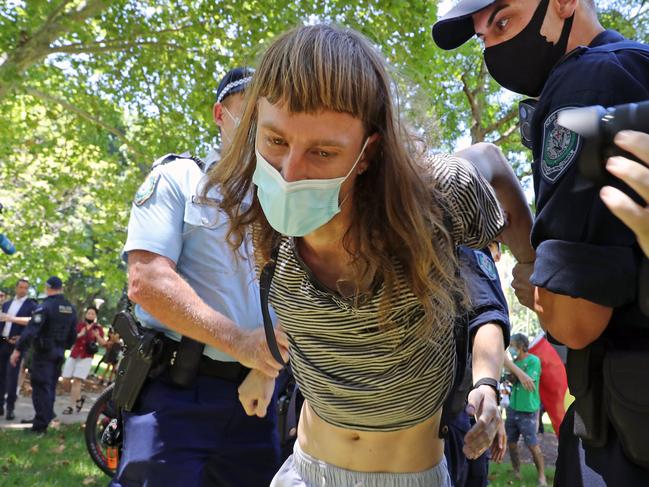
x=188, y=426
x=587, y=265
x=51, y=329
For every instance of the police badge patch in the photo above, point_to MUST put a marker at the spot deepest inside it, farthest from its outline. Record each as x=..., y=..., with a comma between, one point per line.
x=147, y=188
x=486, y=264
x=560, y=147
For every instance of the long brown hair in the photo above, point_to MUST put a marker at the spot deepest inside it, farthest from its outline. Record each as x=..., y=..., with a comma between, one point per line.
x=397, y=234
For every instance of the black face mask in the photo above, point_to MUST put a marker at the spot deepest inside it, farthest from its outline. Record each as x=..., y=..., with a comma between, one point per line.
x=523, y=63
x=89, y=321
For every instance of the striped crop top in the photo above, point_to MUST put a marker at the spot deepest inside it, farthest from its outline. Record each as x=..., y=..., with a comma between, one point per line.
x=354, y=373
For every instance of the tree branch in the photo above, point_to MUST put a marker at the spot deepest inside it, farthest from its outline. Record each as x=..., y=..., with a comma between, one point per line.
x=86, y=116
x=469, y=96
x=498, y=124
x=56, y=11
x=36, y=46
x=96, y=47
x=510, y=131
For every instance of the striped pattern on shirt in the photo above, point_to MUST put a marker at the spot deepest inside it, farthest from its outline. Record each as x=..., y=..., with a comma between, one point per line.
x=355, y=373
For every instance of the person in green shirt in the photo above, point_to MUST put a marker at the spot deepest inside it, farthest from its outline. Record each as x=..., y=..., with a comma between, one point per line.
x=524, y=405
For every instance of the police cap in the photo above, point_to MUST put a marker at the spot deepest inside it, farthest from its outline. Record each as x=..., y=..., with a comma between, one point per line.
x=234, y=81
x=455, y=27
x=54, y=282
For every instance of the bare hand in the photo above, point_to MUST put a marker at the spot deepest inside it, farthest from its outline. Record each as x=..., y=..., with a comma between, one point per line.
x=14, y=358
x=4, y=317
x=522, y=286
x=635, y=216
x=255, y=393
x=12, y=340
x=526, y=381
x=483, y=406
x=499, y=446
x=253, y=352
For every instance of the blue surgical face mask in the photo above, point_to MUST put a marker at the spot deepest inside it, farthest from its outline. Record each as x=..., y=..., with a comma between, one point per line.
x=297, y=208
x=513, y=352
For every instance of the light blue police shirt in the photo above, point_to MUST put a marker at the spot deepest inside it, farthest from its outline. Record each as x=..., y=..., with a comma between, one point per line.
x=174, y=223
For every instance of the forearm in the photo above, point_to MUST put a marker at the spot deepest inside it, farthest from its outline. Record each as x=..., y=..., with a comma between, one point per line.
x=493, y=167
x=512, y=367
x=20, y=320
x=488, y=352
x=575, y=322
x=169, y=299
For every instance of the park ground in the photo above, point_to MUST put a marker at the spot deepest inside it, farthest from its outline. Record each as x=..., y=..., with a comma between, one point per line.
x=60, y=459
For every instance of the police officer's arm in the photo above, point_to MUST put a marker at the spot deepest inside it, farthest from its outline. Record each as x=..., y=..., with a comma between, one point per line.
x=155, y=285
x=494, y=168
x=489, y=334
x=575, y=322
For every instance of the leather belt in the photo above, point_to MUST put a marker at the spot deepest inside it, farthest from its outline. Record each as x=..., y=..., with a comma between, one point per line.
x=228, y=371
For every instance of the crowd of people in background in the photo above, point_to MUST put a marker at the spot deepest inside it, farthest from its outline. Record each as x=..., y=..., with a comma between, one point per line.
x=90, y=337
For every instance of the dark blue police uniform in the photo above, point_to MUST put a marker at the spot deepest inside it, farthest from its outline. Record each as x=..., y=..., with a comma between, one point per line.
x=582, y=249
x=9, y=374
x=488, y=305
x=52, y=331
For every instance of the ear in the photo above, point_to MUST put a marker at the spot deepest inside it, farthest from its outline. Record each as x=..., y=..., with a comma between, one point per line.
x=369, y=153
x=565, y=8
x=217, y=114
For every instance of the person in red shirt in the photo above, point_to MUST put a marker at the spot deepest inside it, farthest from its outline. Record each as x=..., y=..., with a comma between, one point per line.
x=89, y=335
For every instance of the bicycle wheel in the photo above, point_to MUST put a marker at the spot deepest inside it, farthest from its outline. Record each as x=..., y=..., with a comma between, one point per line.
x=99, y=417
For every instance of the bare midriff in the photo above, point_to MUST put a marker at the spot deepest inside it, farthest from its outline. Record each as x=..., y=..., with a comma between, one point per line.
x=413, y=449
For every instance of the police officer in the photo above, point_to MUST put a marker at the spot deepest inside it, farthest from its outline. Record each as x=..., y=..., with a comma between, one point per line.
x=489, y=317
x=587, y=265
x=188, y=283
x=52, y=331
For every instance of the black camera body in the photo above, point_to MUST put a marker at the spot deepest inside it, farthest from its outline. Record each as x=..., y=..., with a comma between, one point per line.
x=599, y=126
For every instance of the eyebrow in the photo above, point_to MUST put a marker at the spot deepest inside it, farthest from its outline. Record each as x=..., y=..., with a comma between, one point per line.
x=317, y=142
x=495, y=12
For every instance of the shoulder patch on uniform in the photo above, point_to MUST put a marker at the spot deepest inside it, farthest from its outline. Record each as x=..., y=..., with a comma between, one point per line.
x=38, y=317
x=486, y=264
x=147, y=188
x=560, y=147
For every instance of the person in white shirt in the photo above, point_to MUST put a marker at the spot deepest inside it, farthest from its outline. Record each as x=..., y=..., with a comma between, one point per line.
x=15, y=315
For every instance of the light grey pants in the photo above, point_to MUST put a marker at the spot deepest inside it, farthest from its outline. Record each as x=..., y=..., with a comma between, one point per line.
x=302, y=470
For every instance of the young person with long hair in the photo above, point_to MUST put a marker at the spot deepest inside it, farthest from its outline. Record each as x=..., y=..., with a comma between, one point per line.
x=366, y=285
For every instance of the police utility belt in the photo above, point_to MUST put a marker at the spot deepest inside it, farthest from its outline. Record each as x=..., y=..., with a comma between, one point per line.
x=150, y=354
x=610, y=389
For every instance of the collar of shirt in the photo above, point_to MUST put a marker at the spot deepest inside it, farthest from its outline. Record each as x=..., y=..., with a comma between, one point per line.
x=212, y=156
x=607, y=37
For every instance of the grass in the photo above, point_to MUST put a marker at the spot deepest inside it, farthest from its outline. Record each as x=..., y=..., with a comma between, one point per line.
x=501, y=475
x=60, y=459
x=57, y=459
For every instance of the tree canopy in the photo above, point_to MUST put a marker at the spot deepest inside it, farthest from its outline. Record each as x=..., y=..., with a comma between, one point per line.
x=91, y=92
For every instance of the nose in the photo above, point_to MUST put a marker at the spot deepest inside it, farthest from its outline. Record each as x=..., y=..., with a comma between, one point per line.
x=480, y=20
x=294, y=166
